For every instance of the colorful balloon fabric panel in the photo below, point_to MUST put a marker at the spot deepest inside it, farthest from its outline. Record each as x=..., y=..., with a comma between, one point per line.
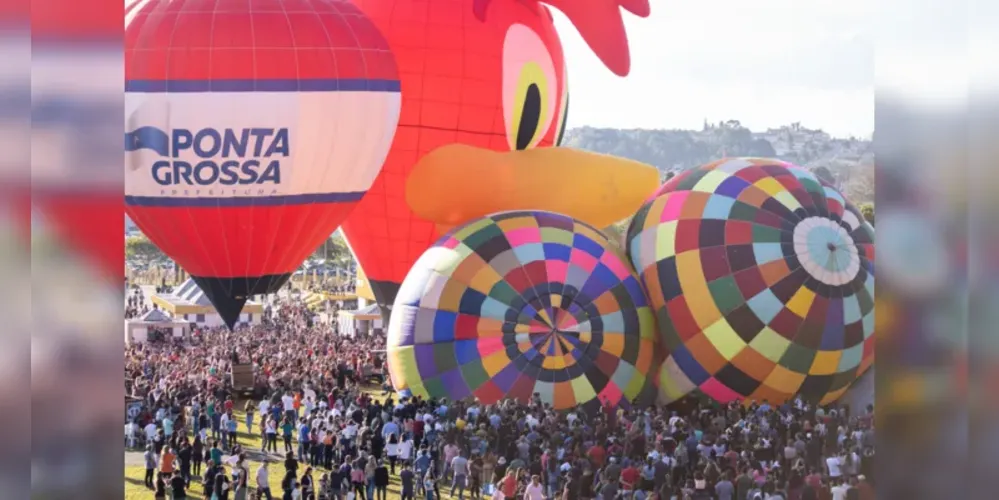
x=762, y=279
x=523, y=303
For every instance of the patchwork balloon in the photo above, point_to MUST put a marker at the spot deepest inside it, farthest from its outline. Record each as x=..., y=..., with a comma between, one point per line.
x=762, y=279
x=523, y=303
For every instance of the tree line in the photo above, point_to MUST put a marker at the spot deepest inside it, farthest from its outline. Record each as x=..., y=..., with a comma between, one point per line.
x=140, y=248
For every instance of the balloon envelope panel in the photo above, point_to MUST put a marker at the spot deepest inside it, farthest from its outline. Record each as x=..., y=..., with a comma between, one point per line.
x=464, y=75
x=762, y=279
x=520, y=303
x=251, y=133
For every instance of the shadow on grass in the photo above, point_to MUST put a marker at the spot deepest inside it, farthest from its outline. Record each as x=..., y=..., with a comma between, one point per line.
x=132, y=480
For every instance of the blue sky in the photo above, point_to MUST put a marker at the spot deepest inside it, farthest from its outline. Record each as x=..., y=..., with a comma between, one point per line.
x=764, y=62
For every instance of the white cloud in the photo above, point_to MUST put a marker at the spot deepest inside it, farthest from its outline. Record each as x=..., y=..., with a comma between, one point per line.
x=924, y=49
x=764, y=62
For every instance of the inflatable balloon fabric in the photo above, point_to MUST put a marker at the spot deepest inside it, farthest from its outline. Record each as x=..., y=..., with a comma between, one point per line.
x=252, y=133
x=523, y=303
x=485, y=74
x=762, y=279
x=453, y=75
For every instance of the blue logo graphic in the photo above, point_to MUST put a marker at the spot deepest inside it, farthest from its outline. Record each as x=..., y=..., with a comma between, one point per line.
x=150, y=138
x=212, y=156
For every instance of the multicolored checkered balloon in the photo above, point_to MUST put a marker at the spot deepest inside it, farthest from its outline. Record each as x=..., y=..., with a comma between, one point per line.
x=762, y=279
x=523, y=303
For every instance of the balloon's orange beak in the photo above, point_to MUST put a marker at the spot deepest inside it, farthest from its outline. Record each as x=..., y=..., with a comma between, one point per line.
x=457, y=183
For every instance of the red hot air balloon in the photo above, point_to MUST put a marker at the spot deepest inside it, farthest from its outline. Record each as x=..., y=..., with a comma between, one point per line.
x=252, y=131
x=467, y=68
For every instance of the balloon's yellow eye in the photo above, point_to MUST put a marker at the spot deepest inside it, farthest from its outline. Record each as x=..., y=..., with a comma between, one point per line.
x=529, y=87
x=531, y=93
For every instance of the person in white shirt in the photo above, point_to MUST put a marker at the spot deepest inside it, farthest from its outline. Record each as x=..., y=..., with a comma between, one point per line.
x=833, y=467
x=131, y=429
x=839, y=490
x=289, y=405
x=271, y=431
x=263, y=482
x=264, y=406
x=392, y=444
x=406, y=450
x=532, y=421
x=857, y=435
x=704, y=449
x=534, y=491
x=350, y=431
x=150, y=432
x=673, y=421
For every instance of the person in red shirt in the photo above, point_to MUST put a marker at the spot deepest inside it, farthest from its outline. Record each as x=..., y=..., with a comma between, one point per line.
x=629, y=477
x=733, y=458
x=508, y=485
x=814, y=479
x=597, y=455
x=228, y=404
x=418, y=429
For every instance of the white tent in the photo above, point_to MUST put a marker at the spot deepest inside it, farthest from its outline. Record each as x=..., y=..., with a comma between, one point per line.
x=361, y=322
x=155, y=316
x=137, y=329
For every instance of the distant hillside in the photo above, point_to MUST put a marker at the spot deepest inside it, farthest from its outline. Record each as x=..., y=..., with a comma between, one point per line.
x=682, y=149
x=849, y=161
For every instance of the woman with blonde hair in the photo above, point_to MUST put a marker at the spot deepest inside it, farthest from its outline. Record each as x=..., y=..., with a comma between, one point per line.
x=488, y=466
x=369, y=476
x=508, y=485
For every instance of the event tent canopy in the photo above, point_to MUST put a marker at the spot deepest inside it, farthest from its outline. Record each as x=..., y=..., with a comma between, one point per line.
x=155, y=315
x=369, y=313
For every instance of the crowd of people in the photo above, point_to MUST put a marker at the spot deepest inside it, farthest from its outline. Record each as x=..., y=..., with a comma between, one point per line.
x=135, y=304
x=320, y=417
x=332, y=286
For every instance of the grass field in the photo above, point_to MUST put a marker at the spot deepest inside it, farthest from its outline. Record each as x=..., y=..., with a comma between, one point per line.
x=134, y=474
